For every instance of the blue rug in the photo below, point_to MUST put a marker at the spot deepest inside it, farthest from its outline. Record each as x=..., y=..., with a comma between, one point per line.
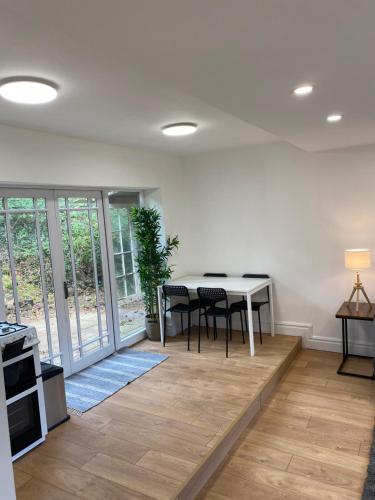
x=94, y=384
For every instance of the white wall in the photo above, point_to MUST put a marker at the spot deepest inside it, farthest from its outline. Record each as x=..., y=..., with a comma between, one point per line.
x=30, y=157
x=276, y=209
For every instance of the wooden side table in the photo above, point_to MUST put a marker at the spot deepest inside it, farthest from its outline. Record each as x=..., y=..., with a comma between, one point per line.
x=347, y=311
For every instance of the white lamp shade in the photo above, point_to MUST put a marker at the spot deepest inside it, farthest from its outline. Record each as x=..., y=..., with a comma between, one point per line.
x=357, y=259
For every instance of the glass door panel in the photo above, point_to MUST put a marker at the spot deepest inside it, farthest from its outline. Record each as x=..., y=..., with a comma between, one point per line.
x=130, y=307
x=27, y=281
x=86, y=276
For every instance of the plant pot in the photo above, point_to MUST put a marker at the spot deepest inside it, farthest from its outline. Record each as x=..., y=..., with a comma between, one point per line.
x=152, y=328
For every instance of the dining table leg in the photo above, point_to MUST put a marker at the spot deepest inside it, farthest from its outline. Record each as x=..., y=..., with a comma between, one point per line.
x=250, y=321
x=272, y=318
x=160, y=309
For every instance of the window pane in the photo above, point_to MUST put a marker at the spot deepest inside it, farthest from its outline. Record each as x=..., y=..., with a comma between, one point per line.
x=41, y=203
x=78, y=202
x=119, y=268
x=121, y=290
x=10, y=310
x=49, y=286
x=128, y=263
x=129, y=298
x=125, y=236
x=130, y=284
x=115, y=219
x=62, y=202
x=18, y=203
x=117, y=242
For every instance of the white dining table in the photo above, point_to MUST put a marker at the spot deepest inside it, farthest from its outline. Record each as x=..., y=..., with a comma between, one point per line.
x=233, y=285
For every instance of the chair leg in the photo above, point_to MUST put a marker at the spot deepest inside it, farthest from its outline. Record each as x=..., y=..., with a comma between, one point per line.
x=243, y=333
x=189, y=329
x=165, y=327
x=230, y=331
x=207, y=329
x=260, y=327
x=199, y=332
x=215, y=328
x=182, y=324
x=226, y=336
x=199, y=328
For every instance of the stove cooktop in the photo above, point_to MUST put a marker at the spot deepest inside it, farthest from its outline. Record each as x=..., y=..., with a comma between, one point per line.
x=10, y=332
x=8, y=328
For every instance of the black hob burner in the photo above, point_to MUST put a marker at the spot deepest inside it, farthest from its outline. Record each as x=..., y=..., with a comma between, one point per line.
x=8, y=328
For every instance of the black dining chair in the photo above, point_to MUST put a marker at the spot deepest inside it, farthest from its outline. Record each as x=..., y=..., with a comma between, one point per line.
x=170, y=291
x=241, y=306
x=210, y=297
x=212, y=275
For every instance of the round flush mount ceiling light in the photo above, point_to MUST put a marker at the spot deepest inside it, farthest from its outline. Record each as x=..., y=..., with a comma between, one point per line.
x=28, y=90
x=303, y=90
x=183, y=128
x=334, y=118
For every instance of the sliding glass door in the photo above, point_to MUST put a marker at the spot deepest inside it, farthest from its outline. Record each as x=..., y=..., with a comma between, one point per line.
x=68, y=267
x=54, y=273
x=86, y=280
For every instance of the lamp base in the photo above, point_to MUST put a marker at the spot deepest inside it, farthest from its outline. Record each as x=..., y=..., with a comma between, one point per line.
x=358, y=287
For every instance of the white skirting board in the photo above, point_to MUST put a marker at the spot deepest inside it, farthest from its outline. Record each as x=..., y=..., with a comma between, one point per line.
x=311, y=341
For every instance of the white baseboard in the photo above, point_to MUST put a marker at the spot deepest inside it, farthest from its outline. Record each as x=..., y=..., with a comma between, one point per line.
x=335, y=345
x=320, y=343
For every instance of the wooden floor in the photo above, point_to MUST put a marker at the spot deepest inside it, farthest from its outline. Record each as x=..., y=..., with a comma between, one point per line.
x=311, y=441
x=150, y=439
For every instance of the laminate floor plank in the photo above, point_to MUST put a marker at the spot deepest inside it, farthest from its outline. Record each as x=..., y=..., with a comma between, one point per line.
x=73, y=480
x=322, y=421
x=134, y=477
x=39, y=490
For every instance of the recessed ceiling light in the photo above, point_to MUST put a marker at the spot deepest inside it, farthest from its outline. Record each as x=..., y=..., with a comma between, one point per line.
x=183, y=128
x=303, y=90
x=28, y=90
x=334, y=118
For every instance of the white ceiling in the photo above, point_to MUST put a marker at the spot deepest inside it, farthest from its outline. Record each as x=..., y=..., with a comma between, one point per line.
x=127, y=67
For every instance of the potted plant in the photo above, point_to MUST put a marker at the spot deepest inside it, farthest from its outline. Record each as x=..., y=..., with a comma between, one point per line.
x=152, y=261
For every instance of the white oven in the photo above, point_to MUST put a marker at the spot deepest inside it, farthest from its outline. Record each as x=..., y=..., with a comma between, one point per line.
x=20, y=363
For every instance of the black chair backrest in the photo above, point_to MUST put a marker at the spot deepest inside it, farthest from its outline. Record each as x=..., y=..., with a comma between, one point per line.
x=175, y=291
x=254, y=275
x=210, y=296
x=215, y=275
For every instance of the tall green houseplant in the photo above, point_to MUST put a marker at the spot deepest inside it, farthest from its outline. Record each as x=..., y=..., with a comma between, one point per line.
x=152, y=261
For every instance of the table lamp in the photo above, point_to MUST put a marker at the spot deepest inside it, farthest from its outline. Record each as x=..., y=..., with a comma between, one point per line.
x=358, y=259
